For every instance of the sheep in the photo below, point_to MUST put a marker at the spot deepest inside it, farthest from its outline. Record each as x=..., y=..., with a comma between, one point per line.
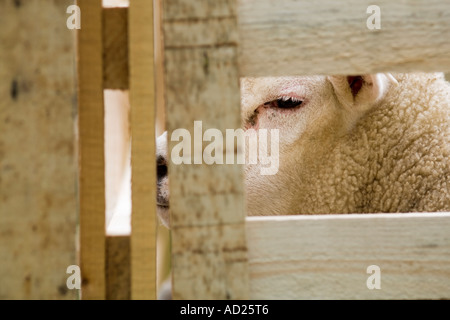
x=348, y=144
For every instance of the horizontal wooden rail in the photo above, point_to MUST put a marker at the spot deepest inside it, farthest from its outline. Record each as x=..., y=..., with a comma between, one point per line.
x=326, y=257
x=332, y=37
x=304, y=37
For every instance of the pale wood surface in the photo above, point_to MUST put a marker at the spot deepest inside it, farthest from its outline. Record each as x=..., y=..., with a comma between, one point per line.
x=326, y=257
x=288, y=37
x=209, y=255
x=38, y=178
x=115, y=48
x=91, y=149
x=298, y=38
x=143, y=163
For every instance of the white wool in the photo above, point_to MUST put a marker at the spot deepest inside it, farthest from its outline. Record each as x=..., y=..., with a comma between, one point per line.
x=383, y=148
x=349, y=155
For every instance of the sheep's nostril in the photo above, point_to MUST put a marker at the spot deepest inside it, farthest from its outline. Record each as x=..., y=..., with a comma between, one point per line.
x=161, y=171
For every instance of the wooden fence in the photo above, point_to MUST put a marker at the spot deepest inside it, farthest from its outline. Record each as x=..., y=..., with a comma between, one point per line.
x=217, y=253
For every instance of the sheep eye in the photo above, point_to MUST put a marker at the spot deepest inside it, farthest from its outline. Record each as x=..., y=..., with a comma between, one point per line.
x=289, y=103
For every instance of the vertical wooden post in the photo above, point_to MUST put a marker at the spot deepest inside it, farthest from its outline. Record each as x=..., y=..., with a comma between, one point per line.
x=143, y=163
x=209, y=254
x=92, y=162
x=38, y=197
x=159, y=69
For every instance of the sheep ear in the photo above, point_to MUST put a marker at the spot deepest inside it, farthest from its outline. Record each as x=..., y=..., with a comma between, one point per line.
x=361, y=90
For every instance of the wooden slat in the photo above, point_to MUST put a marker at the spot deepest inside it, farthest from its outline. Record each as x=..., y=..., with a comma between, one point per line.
x=209, y=255
x=118, y=268
x=289, y=37
x=91, y=148
x=115, y=48
x=38, y=210
x=159, y=67
x=163, y=240
x=143, y=164
x=326, y=257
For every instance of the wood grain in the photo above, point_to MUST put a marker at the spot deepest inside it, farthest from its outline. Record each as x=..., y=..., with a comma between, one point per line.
x=326, y=257
x=38, y=178
x=118, y=273
x=291, y=37
x=115, y=48
x=287, y=37
x=209, y=254
x=91, y=149
x=159, y=67
x=143, y=162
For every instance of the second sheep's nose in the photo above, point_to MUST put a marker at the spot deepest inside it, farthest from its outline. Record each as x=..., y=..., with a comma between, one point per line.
x=161, y=168
x=161, y=157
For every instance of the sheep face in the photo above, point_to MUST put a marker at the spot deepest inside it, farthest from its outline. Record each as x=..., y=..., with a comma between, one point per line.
x=314, y=115
x=347, y=144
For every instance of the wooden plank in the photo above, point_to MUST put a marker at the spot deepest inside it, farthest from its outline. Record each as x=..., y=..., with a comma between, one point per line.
x=38, y=210
x=209, y=255
x=115, y=48
x=143, y=162
x=118, y=268
x=159, y=67
x=326, y=257
x=163, y=234
x=91, y=149
x=331, y=37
